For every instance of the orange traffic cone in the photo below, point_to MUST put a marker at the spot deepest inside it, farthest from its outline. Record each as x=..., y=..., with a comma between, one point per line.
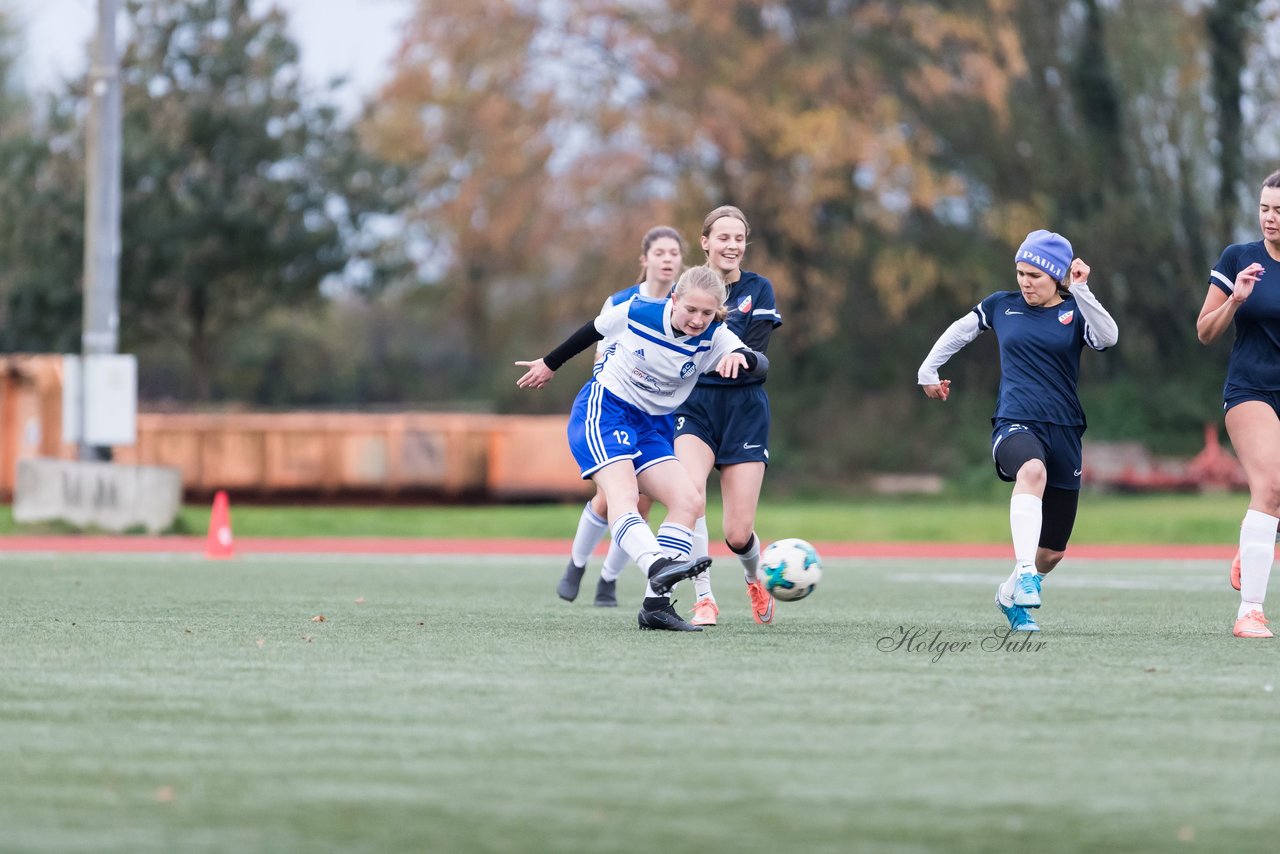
x=219, y=545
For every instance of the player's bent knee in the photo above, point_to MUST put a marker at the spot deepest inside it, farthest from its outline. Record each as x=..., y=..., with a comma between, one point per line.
x=1032, y=474
x=1269, y=495
x=685, y=505
x=737, y=535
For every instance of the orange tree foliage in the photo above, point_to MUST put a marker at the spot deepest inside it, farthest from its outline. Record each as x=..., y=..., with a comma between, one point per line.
x=890, y=156
x=526, y=212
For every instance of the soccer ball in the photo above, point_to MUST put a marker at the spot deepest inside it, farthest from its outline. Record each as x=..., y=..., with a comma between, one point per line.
x=790, y=569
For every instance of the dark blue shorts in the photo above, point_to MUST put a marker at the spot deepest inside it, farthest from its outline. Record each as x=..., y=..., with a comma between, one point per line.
x=1063, y=457
x=1234, y=395
x=732, y=419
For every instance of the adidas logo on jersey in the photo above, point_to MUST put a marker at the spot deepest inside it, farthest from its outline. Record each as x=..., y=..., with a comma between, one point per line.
x=639, y=354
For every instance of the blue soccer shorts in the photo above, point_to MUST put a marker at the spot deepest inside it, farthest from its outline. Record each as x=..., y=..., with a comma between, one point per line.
x=604, y=428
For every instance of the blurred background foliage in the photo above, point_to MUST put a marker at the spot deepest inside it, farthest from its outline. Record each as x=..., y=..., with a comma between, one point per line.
x=890, y=156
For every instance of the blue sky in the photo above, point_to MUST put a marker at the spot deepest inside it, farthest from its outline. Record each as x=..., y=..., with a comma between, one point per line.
x=351, y=37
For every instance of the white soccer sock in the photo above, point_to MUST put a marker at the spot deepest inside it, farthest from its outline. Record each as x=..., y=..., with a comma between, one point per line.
x=590, y=529
x=702, y=585
x=1010, y=585
x=701, y=547
x=675, y=540
x=1025, y=517
x=1257, y=553
x=632, y=534
x=750, y=559
x=701, y=542
x=614, y=562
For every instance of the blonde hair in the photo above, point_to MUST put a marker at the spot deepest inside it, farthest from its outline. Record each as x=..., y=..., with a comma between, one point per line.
x=703, y=278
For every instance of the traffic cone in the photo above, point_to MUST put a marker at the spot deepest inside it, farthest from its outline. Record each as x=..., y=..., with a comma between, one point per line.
x=219, y=545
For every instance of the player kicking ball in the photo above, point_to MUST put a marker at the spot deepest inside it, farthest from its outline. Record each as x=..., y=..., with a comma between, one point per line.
x=616, y=426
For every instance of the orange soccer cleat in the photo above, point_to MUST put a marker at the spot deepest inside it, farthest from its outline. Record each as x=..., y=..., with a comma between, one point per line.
x=705, y=611
x=761, y=602
x=1252, y=625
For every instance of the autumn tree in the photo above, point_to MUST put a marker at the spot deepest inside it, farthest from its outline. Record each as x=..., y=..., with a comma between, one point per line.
x=530, y=187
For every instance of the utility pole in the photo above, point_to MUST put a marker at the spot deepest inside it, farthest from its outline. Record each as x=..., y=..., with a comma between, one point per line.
x=102, y=210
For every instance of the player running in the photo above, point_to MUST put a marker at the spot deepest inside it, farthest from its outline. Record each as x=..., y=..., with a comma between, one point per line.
x=1244, y=289
x=1041, y=329
x=725, y=422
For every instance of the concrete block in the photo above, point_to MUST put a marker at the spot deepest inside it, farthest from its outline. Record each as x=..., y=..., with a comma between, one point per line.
x=108, y=496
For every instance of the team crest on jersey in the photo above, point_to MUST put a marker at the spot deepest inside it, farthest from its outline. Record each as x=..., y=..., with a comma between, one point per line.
x=639, y=354
x=686, y=370
x=744, y=307
x=1065, y=317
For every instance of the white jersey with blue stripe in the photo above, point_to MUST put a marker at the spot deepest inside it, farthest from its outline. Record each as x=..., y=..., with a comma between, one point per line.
x=648, y=364
x=618, y=298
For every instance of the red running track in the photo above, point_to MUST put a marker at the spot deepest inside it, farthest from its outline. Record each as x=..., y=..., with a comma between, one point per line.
x=417, y=546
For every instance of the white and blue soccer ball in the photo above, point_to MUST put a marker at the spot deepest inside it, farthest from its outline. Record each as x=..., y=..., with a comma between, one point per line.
x=790, y=569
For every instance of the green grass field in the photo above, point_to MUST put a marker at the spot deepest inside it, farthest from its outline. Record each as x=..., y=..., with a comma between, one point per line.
x=1102, y=519
x=162, y=704
x=1187, y=519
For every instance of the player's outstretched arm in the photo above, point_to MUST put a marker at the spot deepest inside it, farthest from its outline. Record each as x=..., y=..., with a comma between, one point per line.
x=537, y=376
x=541, y=370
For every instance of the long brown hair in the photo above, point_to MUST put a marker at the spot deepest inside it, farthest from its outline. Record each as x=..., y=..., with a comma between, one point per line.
x=650, y=237
x=723, y=211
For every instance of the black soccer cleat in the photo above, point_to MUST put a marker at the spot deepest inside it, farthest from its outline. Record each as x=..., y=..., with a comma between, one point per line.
x=606, y=594
x=666, y=572
x=567, y=589
x=665, y=619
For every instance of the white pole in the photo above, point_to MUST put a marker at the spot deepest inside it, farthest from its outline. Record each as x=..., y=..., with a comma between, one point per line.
x=102, y=209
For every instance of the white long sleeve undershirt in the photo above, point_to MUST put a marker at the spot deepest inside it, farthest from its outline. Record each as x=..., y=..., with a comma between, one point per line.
x=948, y=344
x=1100, y=331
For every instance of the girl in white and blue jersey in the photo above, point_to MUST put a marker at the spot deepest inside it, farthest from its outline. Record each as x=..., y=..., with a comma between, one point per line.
x=616, y=430
x=1041, y=329
x=1244, y=290
x=661, y=261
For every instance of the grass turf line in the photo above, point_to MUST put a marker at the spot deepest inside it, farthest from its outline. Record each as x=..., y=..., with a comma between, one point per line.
x=463, y=707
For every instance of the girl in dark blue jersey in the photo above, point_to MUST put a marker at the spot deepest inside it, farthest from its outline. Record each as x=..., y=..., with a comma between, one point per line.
x=1244, y=290
x=1041, y=329
x=725, y=422
x=661, y=263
